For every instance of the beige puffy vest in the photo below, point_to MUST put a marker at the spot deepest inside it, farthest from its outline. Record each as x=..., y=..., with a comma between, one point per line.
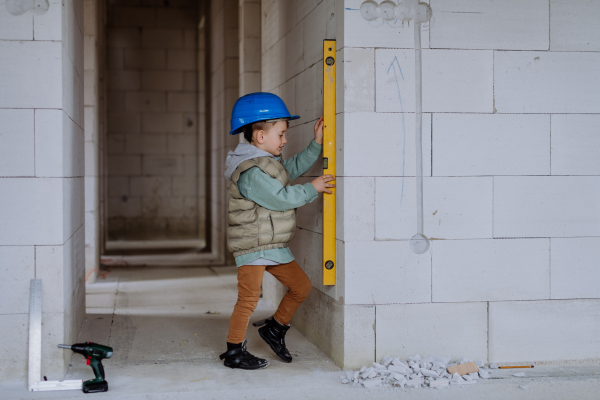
x=253, y=228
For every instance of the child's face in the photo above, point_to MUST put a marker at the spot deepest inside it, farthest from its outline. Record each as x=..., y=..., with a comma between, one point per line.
x=274, y=139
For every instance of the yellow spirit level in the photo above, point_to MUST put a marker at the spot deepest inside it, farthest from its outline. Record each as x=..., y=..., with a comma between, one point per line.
x=329, y=86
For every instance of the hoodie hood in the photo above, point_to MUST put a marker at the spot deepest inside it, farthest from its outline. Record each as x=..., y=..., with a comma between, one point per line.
x=242, y=153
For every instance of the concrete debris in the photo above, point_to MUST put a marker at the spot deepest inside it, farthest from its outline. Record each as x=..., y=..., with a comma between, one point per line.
x=439, y=382
x=519, y=374
x=430, y=372
x=524, y=387
x=494, y=366
x=474, y=375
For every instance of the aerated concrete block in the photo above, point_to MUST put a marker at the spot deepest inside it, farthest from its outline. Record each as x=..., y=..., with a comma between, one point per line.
x=149, y=102
x=293, y=56
x=144, y=59
x=491, y=144
x=573, y=25
x=546, y=82
x=546, y=206
x=162, y=123
x=407, y=275
x=549, y=330
x=314, y=32
x=453, y=80
x=17, y=142
x=124, y=80
x=161, y=38
x=359, y=80
x=18, y=267
x=272, y=70
x=127, y=37
x=453, y=208
x=490, y=270
x=403, y=329
x=162, y=80
x=357, y=210
x=13, y=365
x=575, y=271
x=308, y=93
x=33, y=73
x=364, y=157
x=507, y=25
x=33, y=209
x=575, y=144
x=163, y=165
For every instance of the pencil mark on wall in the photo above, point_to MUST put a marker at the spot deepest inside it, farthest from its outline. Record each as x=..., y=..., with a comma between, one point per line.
x=393, y=66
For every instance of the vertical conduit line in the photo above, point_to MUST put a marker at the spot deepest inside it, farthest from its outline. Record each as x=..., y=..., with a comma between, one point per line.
x=418, y=126
x=488, y=332
x=550, y=266
x=409, y=10
x=375, y=334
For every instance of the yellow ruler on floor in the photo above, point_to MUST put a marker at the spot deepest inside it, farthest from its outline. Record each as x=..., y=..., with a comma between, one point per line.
x=329, y=65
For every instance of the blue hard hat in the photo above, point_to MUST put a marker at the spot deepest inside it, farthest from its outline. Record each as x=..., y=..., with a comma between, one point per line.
x=259, y=106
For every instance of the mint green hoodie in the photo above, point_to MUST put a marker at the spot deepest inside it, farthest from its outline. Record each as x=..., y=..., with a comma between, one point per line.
x=267, y=192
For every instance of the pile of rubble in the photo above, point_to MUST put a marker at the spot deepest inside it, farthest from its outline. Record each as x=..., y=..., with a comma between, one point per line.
x=417, y=372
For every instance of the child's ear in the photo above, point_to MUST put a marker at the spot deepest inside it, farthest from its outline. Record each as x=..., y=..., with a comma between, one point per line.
x=260, y=136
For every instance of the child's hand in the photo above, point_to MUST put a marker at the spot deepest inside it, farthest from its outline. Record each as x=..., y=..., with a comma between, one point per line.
x=321, y=183
x=319, y=131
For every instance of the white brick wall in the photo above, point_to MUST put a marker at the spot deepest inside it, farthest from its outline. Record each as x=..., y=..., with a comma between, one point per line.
x=546, y=206
x=510, y=189
x=491, y=144
x=544, y=330
x=575, y=144
x=574, y=280
x=490, y=270
x=573, y=25
x=41, y=179
x=509, y=158
x=546, y=82
x=453, y=330
x=155, y=83
x=510, y=24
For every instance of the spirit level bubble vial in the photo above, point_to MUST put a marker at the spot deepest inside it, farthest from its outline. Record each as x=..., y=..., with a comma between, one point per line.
x=329, y=65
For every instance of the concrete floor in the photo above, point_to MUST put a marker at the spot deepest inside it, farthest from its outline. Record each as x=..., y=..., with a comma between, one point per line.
x=168, y=326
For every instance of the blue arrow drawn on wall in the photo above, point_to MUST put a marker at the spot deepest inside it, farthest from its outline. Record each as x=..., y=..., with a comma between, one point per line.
x=393, y=66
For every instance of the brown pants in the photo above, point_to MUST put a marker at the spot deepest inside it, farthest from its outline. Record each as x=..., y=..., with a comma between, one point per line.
x=249, y=281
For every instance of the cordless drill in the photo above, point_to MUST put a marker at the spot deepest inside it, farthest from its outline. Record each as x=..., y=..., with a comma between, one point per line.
x=94, y=353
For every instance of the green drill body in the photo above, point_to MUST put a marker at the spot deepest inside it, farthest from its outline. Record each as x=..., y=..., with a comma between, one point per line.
x=94, y=354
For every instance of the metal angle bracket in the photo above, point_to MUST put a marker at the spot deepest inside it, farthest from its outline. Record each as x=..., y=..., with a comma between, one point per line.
x=35, y=384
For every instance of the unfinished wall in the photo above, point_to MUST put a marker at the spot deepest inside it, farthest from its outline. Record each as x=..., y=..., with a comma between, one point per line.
x=223, y=89
x=511, y=197
x=154, y=186
x=292, y=67
x=511, y=187
x=249, y=46
x=41, y=181
x=94, y=126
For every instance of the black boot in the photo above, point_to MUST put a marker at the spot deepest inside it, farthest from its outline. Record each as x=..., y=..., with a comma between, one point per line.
x=274, y=334
x=237, y=356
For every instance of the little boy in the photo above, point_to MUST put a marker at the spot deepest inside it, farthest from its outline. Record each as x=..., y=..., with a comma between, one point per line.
x=262, y=219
